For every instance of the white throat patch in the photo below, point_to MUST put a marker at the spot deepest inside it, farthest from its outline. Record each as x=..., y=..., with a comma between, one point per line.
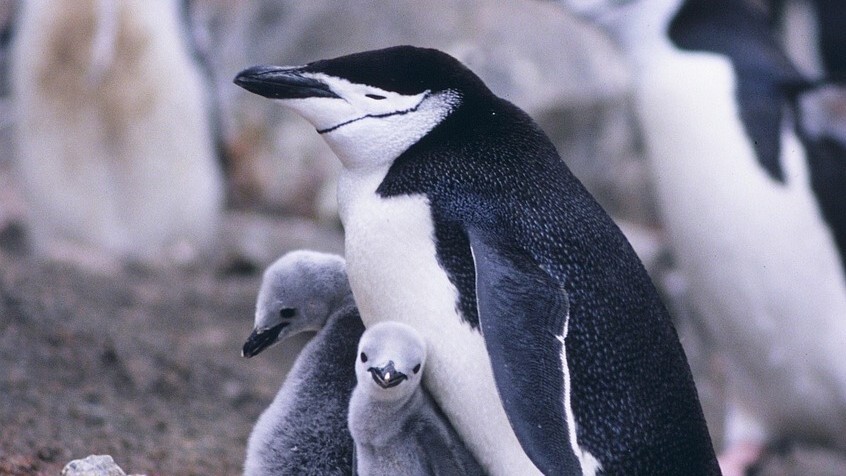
x=367, y=126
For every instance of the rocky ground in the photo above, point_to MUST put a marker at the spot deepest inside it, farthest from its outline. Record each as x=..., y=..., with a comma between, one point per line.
x=139, y=363
x=143, y=365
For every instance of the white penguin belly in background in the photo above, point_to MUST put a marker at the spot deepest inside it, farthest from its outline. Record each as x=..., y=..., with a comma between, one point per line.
x=115, y=151
x=763, y=269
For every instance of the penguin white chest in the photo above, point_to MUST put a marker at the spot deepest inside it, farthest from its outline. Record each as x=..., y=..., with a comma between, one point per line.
x=395, y=275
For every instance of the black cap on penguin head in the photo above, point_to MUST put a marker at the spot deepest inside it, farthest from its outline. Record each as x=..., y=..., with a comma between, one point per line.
x=404, y=69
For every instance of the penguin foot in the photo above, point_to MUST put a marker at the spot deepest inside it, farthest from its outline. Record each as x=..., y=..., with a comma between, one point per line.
x=738, y=458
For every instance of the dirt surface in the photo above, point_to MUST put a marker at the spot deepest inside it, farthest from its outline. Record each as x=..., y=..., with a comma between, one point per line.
x=143, y=365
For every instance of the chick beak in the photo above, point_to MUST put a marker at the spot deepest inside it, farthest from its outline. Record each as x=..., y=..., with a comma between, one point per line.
x=261, y=339
x=387, y=376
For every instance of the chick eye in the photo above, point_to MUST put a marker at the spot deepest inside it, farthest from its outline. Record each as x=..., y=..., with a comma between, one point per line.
x=377, y=97
x=363, y=357
x=416, y=368
x=287, y=313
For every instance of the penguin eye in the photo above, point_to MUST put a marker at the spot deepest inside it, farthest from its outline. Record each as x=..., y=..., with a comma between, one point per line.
x=287, y=313
x=377, y=97
x=363, y=357
x=416, y=368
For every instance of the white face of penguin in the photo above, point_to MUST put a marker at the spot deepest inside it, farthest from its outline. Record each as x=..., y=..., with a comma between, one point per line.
x=353, y=102
x=368, y=126
x=370, y=106
x=390, y=361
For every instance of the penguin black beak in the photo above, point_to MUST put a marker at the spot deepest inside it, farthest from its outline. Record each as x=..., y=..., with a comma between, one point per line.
x=261, y=339
x=280, y=82
x=387, y=376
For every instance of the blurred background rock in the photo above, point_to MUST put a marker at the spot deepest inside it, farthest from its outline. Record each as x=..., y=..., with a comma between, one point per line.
x=140, y=360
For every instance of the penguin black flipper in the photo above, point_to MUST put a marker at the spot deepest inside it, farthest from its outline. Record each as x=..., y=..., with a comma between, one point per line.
x=517, y=299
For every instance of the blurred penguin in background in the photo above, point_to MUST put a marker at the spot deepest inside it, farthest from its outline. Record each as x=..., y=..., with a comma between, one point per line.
x=751, y=191
x=115, y=147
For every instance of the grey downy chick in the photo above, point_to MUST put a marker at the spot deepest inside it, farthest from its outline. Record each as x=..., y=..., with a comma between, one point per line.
x=304, y=430
x=396, y=425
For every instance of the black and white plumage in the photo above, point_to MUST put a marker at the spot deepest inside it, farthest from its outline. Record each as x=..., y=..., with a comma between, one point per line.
x=768, y=91
x=396, y=426
x=304, y=430
x=549, y=350
x=752, y=202
x=820, y=26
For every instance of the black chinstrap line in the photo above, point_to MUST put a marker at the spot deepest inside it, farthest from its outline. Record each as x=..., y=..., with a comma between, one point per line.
x=377, y=116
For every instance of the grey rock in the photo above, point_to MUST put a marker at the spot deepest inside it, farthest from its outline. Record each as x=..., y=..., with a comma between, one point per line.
x=94, y=465
x=823, y=113
x=7, y=14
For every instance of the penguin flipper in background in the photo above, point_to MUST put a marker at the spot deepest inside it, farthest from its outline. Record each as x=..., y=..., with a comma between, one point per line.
x=517, y=299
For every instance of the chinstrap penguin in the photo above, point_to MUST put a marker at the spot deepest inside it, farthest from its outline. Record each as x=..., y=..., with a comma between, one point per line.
x=396, y=426
x=304, y=430
x=548, y=347
x=755, y=216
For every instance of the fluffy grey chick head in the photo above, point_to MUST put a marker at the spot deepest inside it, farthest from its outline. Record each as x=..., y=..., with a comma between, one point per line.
x=390, y=361
x=298, y=293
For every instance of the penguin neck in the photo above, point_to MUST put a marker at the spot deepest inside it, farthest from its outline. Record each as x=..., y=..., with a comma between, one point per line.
x=373, y=142
x=346, y=300
x=383, y=420
x=338, y=305
x=342, y=308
